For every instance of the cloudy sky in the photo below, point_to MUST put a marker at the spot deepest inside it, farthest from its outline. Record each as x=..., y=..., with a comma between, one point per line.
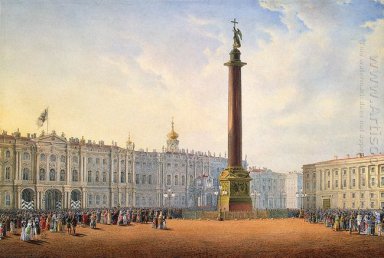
x=107, y=68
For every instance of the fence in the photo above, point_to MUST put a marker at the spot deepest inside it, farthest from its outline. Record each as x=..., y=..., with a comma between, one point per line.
x=228, y=215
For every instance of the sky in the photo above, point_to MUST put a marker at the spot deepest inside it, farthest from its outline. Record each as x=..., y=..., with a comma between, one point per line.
x=312, y=88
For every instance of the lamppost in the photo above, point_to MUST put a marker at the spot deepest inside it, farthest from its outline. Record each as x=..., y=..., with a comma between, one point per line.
x=301, y=195
x=216, y=193
x=256, y=195
x=168, y=195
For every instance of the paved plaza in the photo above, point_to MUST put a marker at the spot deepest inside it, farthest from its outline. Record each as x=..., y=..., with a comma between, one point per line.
x=200, y=238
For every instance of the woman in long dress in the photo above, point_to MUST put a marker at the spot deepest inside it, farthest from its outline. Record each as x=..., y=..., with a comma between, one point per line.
x=109, y=218
x=13, y=227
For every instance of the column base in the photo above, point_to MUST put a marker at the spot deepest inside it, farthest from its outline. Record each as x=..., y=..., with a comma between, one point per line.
x=234, y=195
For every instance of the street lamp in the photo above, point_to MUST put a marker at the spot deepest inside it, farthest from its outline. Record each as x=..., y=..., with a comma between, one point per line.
x=168, y=195
x=216, y=193
x=301, y=195
x=256, y=195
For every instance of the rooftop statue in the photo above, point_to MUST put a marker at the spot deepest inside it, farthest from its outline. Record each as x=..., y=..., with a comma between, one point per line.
x=237, y=36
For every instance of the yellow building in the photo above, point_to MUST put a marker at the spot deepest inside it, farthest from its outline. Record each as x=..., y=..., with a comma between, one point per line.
x=351, y=183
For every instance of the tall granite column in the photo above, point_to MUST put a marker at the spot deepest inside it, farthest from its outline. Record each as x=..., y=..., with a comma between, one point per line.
x=235, y=180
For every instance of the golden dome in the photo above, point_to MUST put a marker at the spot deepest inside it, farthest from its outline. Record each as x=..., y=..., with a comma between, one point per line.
x=172, y=134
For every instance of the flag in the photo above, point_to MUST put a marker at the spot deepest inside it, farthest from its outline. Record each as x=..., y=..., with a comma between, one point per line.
x=42, y=118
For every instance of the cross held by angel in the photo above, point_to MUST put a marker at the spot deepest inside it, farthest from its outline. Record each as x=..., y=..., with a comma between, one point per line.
x=237, y=36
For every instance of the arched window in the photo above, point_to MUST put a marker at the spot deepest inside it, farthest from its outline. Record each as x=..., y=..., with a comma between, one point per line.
x=75, y=176
x=75, y=159
x=115, y=177
x=130, y=178
x=97, y=176
x=7, y=154
x=168, y=179
x=190, y=180
x=97, y=199
x=104, y=199
x=89, y=176
x=182, y=180
x=62, y=175
x=144, y=179
x=149, y=179
x=42, y=174
x=122, y=177
x=52, y=175
x=89, y=160
x=52, y=158
x=104, y=176
x=42, y=157
x=62, y=158
x=26, y=174
x=26, y=156
x=176, y=180
x=90, y=201
x=7, y=199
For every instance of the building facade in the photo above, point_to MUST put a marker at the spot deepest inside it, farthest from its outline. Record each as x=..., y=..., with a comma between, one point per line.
x=294, y=190
x=51, y=171
x=268, y=189
x=352, y=183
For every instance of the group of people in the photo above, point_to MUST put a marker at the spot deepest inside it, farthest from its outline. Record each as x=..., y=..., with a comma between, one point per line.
x=365, y=222
x=31, y=223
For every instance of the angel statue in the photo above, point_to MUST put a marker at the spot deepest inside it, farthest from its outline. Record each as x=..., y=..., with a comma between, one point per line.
x=237, y=36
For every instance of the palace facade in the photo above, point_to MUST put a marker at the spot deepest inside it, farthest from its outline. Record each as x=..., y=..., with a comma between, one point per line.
x=352, y=183
x=51, y=171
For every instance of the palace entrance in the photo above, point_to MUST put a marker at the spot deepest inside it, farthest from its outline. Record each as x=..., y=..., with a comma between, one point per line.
x=53, y=199
x=27, y=196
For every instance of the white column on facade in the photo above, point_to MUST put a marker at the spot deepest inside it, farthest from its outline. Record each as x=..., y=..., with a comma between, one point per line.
x=358, y=178
x=341, y=178
x=332, y=178
x=349, y=178
x=367, y=172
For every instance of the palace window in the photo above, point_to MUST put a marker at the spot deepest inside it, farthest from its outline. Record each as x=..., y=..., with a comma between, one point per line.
x=362, y=205
x=329, y=184
x=190, y=179
x=7, y=154
x=353, y=182
x=62, y=158
x=7, y=173
x=97, y=199
x=144, y=179
x=52, y=158
x=7, y=199
x=168, y=179
x=104, y=199
x=89, y=176
x=362, y=170
x=75, y=176
x=97, y=161
x=104, y=161
x=182, y=180
x=372, y=205
x=362, y=195
x=90, y=201
x=75, y=159
x=122, y=177
x=104, y=177
x=150, y=179
x=336, y=173
x=89, y=160
x=353, y=205
x=344, y=172
x=130, y=178
x=26, y=174
x=42, y=157
x=373, y=181
x=382, y=194
x=353, y=195
x=372, y=169
x=363, y=181
x=176, y=180
x=344, y=195
x=337, y=183
x=372, y=195
x=115, y=177
x=97, y=177
x=52, y=175
x=26, y=156
x=137, y=179
x=344, y=183
x=62, y=175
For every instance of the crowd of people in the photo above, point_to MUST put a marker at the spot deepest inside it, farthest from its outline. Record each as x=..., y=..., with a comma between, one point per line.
x=364, y=222
x=31, y=223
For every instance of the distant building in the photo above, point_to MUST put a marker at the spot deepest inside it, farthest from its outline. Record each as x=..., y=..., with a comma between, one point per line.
x=268, y=189
x=352, y=183
x=51, y=171
x=294, y=187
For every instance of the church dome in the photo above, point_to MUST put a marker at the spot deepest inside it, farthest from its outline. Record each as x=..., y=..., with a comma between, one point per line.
x=172, y=135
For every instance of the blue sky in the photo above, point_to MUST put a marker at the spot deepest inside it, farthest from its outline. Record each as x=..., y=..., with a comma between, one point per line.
x=107, y=68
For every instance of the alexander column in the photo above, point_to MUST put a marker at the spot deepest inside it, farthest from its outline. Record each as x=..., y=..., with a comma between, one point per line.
x=234, y=180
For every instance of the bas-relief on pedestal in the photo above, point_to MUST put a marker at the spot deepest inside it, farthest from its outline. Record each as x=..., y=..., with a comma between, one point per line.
x=235, y=180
